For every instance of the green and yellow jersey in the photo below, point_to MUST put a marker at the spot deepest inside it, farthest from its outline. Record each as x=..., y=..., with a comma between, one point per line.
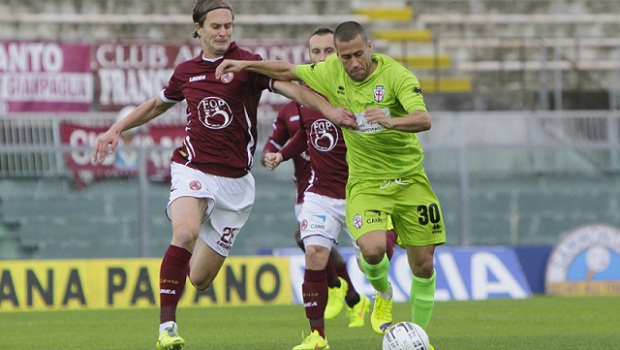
x=373, y=152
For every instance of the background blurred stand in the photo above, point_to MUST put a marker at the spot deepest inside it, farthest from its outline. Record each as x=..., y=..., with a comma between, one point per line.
x=11, y=246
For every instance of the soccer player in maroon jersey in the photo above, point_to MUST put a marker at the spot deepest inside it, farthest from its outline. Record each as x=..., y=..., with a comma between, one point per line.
x=286, y=124
x=322, y=212
x=212, y=189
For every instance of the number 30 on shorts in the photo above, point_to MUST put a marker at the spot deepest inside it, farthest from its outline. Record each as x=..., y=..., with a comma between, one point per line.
x=429, y=213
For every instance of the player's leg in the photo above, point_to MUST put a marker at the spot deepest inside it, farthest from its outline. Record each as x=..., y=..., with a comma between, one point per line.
x=204, y=265
x=319, y=231
x=368, y=207
x=423, y=283
x=419, y=221
x=357, y=305
x=392, y=239
x=373, y=246
x=186, y=214
x=186, y=210
x=337, y=288
x=314, y=291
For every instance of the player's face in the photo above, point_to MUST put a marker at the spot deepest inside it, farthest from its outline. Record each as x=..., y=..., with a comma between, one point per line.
x=216, y=32
x=321, y=46
x=355, y=57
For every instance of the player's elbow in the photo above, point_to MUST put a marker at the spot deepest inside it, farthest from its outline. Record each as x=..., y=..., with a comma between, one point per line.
x=425, y=122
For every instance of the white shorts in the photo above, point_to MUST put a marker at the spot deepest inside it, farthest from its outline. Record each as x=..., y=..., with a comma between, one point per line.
x=298, y=210
x=230, y=203
x=321, y=220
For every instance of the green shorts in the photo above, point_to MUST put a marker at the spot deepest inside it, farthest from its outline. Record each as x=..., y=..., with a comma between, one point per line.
x=410, y=203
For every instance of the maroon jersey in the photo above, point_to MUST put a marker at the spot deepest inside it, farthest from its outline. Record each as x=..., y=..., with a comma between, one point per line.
x=285, y=126
x=327, y=151
x=221, y=131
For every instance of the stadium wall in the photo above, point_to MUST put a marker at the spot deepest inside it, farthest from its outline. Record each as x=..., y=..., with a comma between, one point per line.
x=472, y=273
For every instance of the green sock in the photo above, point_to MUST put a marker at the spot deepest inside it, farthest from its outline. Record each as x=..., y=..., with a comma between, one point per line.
x=377, y=275
x=422, y=299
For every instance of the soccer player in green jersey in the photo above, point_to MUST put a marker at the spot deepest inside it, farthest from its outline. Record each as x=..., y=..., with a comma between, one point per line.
x=386, y=174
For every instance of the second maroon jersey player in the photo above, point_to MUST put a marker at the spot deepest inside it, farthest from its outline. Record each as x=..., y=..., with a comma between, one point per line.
x=285, y=126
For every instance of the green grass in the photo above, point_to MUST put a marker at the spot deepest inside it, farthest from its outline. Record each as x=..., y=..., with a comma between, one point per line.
x=536, y=323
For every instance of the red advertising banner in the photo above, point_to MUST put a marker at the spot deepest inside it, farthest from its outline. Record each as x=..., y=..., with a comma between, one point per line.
x=45, y=77
x=125, y=160
x=131, y=73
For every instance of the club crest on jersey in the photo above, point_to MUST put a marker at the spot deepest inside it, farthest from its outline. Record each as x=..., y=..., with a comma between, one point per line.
x=357, y=221
x=195, y=185
x=379, y=93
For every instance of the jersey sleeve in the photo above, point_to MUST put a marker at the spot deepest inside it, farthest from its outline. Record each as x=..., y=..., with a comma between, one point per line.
x=260, y=81
x=173, y=92
x=280, y=134
x=297, y=144
x=314, y=75
x=409, y=92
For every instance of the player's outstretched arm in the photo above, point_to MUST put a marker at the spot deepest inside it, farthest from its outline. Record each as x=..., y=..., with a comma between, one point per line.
x=279, y=70
x=306, y=97
x=107, y=142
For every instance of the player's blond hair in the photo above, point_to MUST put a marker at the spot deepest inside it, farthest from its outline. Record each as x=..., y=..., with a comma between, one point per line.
x=203, y=7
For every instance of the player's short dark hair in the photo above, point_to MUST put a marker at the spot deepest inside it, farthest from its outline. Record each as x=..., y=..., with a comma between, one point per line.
x=203, y=7
x=348, y=31
x=322, y=31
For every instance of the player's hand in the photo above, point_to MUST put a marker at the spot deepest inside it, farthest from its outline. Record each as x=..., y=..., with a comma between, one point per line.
x=272, y=160
x=378, y=116
x=106, y=144
x=228, y=66
x=342, y=118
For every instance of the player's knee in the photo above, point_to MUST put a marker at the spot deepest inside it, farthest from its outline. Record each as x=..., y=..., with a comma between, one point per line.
x=185, y=236
x=372, y=254
x=201, y=283
x=424, y=269
x=316, y=257
x=373, y=258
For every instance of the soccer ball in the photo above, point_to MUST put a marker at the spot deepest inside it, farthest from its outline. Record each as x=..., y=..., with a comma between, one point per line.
x=406, y=336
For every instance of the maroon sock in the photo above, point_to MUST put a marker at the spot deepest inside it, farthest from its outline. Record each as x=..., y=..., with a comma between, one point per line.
x=390, y=237
x=172, y=276
x=344, y=273
x=332, y=274
x=314, y=291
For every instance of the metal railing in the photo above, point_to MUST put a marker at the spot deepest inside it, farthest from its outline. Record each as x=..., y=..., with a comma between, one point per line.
x=502, y=177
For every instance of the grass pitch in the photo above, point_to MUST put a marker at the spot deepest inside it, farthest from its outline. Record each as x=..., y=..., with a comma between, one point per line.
x=548, y=323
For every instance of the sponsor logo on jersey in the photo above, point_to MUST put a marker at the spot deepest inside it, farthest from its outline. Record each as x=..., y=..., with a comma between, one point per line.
x=197, y=78
x=323, y=135
x=167, y=291
x=214, y=113
x=374, y=216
